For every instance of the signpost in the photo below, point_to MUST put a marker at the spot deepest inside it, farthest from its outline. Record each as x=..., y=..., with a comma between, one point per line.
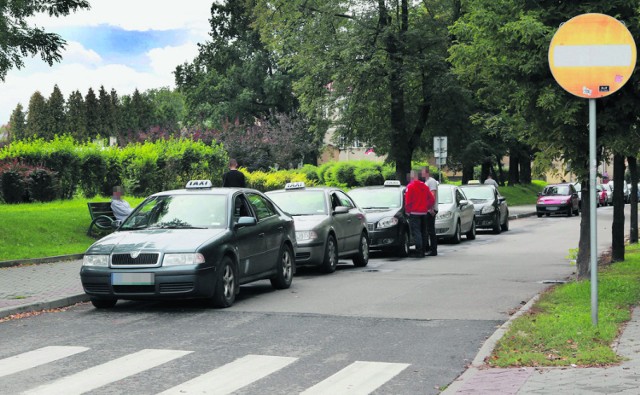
x=592, y=56
x=440, y=153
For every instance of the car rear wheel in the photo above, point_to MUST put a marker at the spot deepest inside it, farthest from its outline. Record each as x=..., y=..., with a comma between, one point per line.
x=103, y=303
x=330, y=255
x=471, y=234
x=569, y=211
x=539, y=215
x=226, y=284
x=403, y=248
x=285, y=264
x=457, y=236
x=362, y=259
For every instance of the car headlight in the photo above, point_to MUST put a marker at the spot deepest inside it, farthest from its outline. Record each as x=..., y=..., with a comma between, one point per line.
x=488, y=209
x=95, y=260
x=182, y=259
x=387, y=222
x=444, y=215
x=306, y=235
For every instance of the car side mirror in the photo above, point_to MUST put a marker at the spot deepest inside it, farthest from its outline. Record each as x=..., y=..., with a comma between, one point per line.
x=502, y=199
x=463, y=203
x=116, y=224
x=245, y=221
x=539, y=193
x=341, y=210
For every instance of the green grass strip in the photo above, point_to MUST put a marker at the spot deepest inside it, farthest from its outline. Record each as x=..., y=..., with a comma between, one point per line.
x=558, y=330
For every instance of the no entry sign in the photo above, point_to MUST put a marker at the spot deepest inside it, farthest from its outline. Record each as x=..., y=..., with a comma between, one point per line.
x=592, y=55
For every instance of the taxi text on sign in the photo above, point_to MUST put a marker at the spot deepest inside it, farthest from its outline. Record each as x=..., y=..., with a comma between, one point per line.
x=592, y=55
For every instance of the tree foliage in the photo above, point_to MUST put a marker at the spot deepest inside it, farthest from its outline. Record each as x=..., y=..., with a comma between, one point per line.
x=19, y=39
x=377, y=67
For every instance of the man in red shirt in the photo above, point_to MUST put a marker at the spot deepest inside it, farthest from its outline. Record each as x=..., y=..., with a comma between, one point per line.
x=418, y=201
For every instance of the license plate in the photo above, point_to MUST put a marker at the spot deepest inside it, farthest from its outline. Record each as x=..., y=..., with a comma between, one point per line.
x=552, y=208
x=132, y=279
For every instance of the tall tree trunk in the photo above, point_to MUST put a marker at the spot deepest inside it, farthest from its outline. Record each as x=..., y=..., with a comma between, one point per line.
x=501, y=177
x=583, y=261
x=485, y=170
x=633, y=224
x=467, y=173
x=617, y=227
x=525, y=168
x=514, y=164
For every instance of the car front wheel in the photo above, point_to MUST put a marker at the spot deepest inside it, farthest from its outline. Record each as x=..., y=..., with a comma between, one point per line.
x=362, y=259
x=505, y=226
x=496, y=224
x=330, y=255
x=285, y=266
x=471, y=234
x=226, y=284
x=403, y=248
x=457, y=236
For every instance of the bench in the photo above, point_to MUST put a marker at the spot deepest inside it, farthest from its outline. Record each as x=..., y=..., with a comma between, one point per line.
x=101, y=217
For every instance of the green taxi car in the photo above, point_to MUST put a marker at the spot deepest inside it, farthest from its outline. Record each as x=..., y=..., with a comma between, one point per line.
x=197, y=242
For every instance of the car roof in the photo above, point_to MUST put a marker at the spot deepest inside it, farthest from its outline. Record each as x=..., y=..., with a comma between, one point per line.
x=314, y=188
x=204, y=191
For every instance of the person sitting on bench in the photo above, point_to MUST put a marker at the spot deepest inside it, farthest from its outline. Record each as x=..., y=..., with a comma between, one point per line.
x=120, y=207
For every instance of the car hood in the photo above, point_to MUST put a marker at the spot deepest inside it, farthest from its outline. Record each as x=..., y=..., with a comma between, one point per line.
x=166, y=240
x=442, y=207
x=478, y=204
x=376, y=214
x=553, y=199
x=308, y=222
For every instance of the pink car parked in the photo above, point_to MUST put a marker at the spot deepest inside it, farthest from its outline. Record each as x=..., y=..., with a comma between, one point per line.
x=558, y=199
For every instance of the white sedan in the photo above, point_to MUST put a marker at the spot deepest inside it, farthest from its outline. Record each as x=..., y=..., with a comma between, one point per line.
x=456, y=214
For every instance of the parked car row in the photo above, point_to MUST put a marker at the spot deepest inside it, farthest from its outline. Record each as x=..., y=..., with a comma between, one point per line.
x=203, y=242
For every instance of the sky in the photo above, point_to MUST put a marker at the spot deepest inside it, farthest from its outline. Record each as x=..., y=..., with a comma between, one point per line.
x=118, y=44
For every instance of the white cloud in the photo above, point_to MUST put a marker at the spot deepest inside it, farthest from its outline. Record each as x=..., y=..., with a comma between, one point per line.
x=82, y=67
x=165, y=60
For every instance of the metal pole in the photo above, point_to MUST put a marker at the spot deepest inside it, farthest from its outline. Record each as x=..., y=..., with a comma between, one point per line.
x=593, y=165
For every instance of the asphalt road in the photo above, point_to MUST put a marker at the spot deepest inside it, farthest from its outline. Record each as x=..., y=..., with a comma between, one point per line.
x=398, y=326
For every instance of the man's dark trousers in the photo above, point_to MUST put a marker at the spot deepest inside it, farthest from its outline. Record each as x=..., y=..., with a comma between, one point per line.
x=418, y=225
x=431, y=241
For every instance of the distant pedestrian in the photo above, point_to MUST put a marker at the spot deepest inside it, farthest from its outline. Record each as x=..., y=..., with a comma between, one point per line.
x=120, y=207
x=418, y=201
x=234, y=177
x=491, y=181
x=431, y=240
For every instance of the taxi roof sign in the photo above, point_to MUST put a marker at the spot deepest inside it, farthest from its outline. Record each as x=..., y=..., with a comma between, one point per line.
x=295, y=185
x=592, y=55
x=392, y=183
x=199, y=184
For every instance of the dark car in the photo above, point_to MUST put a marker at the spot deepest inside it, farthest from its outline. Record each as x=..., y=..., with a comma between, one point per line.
x=558, y=199
x=329, y=225
x=387, y=220
x=491, y=208
x=198, y=242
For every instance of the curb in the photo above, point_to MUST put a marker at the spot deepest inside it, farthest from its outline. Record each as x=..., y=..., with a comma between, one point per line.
x=487, y=348
x=37, y=261
x=46, y=305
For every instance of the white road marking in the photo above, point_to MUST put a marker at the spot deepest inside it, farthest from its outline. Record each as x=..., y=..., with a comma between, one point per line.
x=35, y=358
x=232, y=376
x=358, y=378
x=109, y=372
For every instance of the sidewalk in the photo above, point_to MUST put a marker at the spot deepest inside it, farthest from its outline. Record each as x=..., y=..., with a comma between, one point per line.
x=42, y=284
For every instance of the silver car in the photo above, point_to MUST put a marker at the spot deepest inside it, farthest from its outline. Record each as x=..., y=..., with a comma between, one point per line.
x=329, y=225
x=456, y=214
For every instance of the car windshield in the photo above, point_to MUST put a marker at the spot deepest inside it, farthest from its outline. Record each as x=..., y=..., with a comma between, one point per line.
x=382, y=198
x=556, y=190
x=445, y=195
x=179, y=212
x=301, y=202
x=479, y=193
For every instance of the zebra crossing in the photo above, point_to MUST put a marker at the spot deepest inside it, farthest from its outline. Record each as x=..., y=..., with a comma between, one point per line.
x=359, y=377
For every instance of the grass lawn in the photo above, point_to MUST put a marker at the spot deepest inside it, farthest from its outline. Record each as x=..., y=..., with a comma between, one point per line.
x=558, y=330
x=522, y=194
x=38, y=230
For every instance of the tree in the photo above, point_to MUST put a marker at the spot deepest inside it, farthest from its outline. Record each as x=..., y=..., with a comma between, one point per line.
x=106, y=114
x=502, y=49
x=18, y=39
x=55, y=114
x=36, y=115
x=234, y=77
x=92, y=114
x=18, y=123
x=378, y=69
x=168, y=108
x=76, y=117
